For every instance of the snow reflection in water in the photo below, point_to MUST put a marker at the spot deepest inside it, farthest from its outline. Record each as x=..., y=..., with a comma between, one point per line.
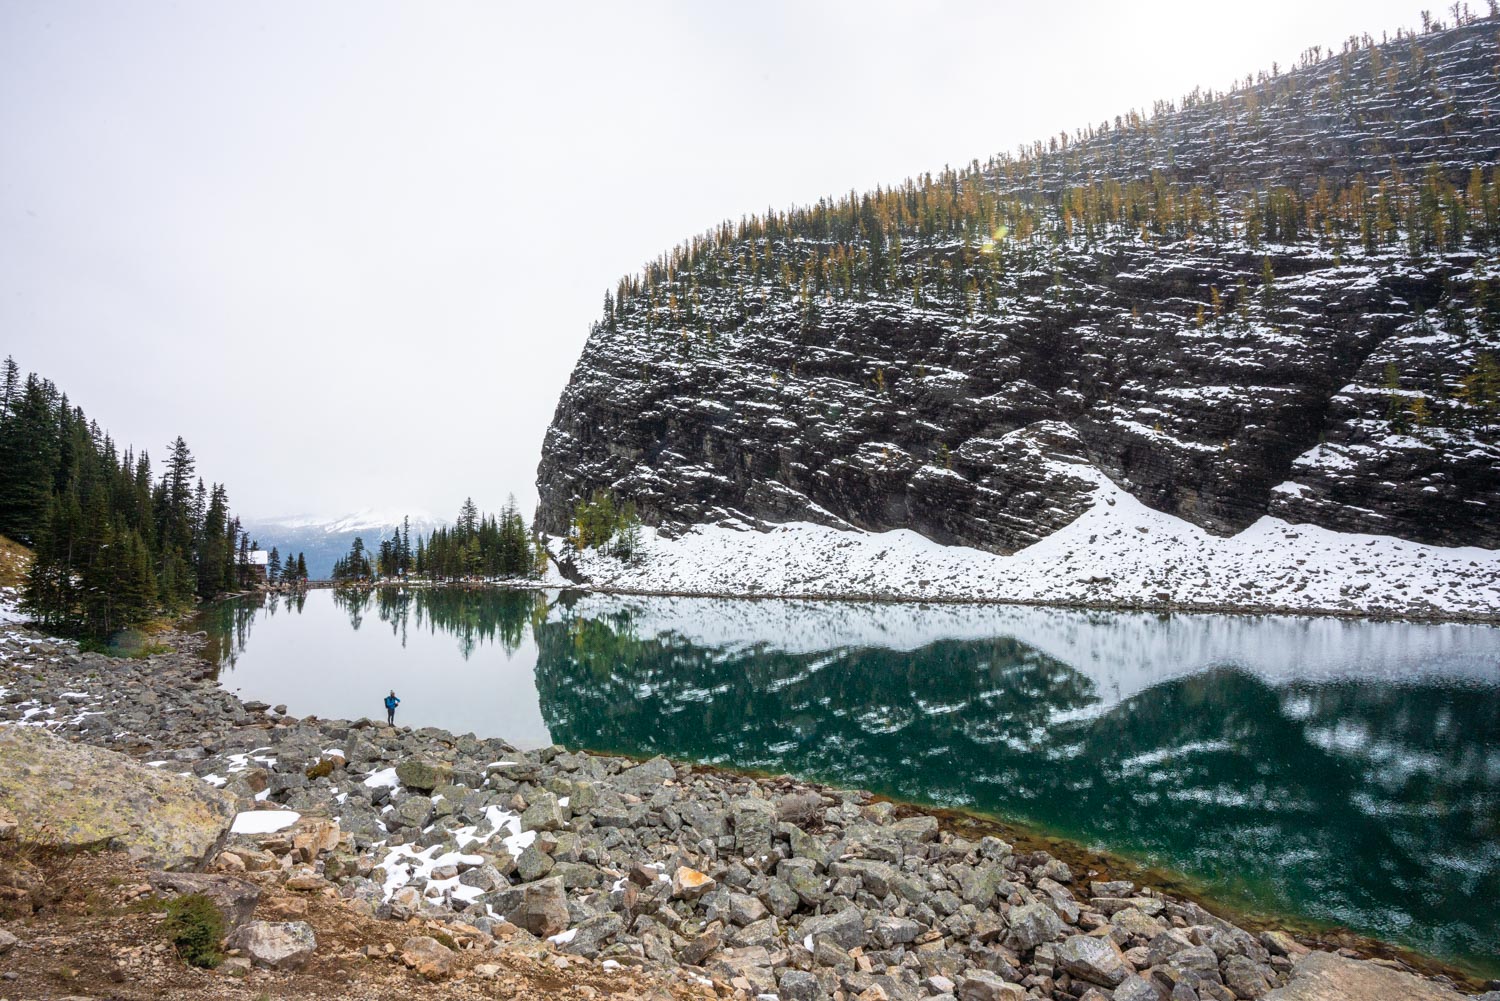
x=1338, y=770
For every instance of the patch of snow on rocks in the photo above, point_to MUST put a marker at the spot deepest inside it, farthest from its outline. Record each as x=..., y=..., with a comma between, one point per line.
x=264, y=821
x=385, y=777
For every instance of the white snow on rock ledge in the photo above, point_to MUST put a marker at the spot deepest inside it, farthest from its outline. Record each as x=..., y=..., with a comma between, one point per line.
x=1117, y=552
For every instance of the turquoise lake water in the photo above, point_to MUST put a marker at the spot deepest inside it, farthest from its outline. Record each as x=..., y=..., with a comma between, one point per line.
x=1338, y=771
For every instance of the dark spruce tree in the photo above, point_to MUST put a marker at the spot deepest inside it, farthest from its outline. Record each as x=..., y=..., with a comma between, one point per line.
x=112, y=546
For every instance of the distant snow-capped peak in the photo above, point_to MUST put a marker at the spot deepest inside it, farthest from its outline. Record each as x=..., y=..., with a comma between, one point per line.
x=367, y=519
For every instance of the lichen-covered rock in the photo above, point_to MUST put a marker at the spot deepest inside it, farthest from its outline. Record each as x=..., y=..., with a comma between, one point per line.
x=532, y=864
x=281, y=945
x=647, y=776
x=1095, y=959
x=423, y=774
x=74, y=794
x=979, y=884
x=745, y=909
x=844, y=928
x=593, y=933
x=985, y=986
x=1030, y=925
x=1325, y=976
x=1137, y=988
x=413, y=811
x=1248, y=979
x=754, y=822
x=543, y=909
x=799, y=985
x=543, y=814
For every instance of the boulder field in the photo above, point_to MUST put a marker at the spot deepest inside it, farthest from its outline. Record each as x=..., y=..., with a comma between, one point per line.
x=735, y=885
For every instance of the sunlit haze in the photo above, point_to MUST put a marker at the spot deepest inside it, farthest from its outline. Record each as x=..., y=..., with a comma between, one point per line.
x=351, y=250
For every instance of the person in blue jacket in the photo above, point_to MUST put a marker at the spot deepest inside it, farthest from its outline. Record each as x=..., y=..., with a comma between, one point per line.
x=391, y=702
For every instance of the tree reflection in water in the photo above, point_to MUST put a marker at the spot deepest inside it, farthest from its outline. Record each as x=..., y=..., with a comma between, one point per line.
x=1372, y=805
x=1341, y=771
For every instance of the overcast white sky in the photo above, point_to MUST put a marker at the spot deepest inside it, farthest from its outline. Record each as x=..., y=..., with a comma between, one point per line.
x=351, y=250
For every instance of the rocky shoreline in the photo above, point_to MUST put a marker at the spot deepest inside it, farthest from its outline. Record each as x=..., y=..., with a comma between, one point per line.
x=1137, y=605
x=731, y=884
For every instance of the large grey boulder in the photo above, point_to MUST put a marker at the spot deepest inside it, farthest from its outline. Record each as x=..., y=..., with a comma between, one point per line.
x=1030, y=926
x=1095, y=959
x=413, y=811
x=1246, y=977
x=543, y=813
x=984, y=986
x=1137, y=988
x=1324, y=976
x=593, y=933
x=979, y=884
x=79, y=795
x=543, y=910
x=647, y=777
x=281, y=945
x=754, y=825
x=799, y=985
x=532, y=864
x=745, y=909
x=890, y=932
x=845, y=928
x=423, y=774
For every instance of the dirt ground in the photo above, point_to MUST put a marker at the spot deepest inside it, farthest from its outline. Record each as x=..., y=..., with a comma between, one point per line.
x=88, y=930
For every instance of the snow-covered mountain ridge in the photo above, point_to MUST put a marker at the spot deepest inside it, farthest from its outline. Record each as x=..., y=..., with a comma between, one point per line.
x=1279, y=306
x=368, y=519
x=323, y=539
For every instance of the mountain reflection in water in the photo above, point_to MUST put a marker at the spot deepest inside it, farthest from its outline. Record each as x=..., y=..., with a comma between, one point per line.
x=1335, y=770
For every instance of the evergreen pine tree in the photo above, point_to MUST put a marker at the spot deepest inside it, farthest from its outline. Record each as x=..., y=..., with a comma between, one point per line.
x=10, y=387
x=30, y=452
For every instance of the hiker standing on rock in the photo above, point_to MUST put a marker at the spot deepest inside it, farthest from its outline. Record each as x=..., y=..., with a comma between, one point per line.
x=391, y=702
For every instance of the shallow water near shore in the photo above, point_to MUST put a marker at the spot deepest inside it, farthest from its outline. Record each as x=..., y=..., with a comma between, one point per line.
x=1329, y=770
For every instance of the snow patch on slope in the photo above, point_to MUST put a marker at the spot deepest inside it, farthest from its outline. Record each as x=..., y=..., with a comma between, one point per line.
x=1118, y=552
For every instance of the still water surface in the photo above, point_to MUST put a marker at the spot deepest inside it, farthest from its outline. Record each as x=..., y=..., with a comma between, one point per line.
x=1337, y=771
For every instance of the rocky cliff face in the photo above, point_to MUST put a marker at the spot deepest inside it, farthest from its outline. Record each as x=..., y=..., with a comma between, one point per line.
x=1284, y=300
